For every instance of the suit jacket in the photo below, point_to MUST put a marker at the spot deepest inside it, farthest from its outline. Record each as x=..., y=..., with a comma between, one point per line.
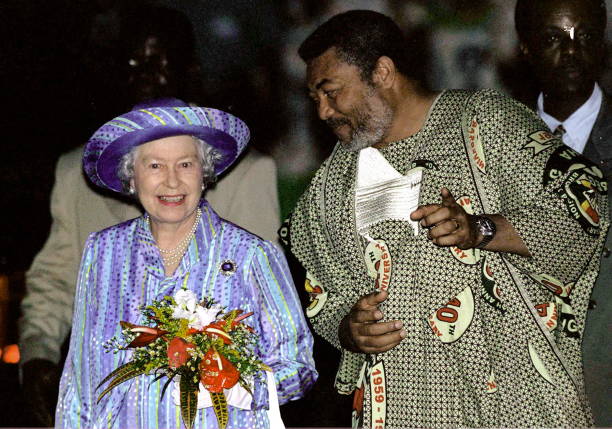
x=246, y=195
x=597, y=340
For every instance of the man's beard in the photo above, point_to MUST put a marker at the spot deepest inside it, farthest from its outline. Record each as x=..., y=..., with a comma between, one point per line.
x=373, y=119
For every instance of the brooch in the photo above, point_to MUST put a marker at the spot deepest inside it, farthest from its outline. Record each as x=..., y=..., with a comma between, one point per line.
x=228, y=267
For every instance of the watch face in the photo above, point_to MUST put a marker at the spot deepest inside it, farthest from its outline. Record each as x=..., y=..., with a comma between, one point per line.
x=486, y=226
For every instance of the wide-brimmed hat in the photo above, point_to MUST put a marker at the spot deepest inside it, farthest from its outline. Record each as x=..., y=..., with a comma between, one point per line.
x=155, y=120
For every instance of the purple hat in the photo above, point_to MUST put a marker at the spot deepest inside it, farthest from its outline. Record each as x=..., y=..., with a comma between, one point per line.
x=155, y=120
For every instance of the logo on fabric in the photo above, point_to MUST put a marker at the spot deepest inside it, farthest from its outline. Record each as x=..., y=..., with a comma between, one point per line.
x=317, y=295
x=283, y=232
x=476, y=149
x=549, y=314
x=491, y=384
x=424, y=163
x=567, y=319
x=539, y=141
x=582, y=184
x=378, y=263
x=552, y=284
x=450, y=322
x=491, y=293
x=538, y=364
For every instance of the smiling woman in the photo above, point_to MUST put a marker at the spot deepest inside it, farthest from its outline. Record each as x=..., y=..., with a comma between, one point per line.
x=167, y=176
x=163, y=156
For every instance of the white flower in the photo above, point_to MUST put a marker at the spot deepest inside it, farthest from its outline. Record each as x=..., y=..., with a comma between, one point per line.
x=204, y=316
x=186, y=303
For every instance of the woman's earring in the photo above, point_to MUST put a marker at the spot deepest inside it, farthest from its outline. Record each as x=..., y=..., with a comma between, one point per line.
x=132, y=191
x=203, y=187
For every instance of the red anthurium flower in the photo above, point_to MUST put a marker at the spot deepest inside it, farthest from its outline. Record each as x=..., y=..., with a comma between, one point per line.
x=242, y=317
x=179, y=352
x=218, y=329
x=217, y=373
x=146, y=334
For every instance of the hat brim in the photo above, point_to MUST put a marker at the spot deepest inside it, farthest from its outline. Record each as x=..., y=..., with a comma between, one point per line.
x=108, y=162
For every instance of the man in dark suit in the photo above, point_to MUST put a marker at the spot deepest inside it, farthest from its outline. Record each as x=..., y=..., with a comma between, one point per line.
x=563, y=41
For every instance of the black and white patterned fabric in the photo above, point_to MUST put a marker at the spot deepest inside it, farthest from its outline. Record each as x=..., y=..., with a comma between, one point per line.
x=493, y=339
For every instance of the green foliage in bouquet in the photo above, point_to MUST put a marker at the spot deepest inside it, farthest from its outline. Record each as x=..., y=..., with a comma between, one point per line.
x=196, y=341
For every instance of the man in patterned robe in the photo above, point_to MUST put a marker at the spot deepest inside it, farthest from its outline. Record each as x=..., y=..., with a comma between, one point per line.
x=450, y=243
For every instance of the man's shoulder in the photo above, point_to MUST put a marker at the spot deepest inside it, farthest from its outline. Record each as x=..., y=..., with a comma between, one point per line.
x=601, y=133
x=494, y=99
x=71, y=161
x=69, y=172
x=605, y=115
x=251, y=163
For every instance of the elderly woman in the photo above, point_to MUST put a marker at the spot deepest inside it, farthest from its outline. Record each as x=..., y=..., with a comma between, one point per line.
x=164, y=157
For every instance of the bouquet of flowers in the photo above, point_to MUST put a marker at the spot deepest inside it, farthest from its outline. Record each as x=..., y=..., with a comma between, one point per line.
x=196, y=341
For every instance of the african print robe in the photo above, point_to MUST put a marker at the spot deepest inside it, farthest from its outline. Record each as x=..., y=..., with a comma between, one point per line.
x=492, y=339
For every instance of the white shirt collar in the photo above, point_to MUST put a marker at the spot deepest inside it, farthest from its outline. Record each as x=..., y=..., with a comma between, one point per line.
x=579, y=124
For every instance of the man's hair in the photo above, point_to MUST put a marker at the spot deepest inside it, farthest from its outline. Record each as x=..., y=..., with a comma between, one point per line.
x=524, y=14
x=361, y=37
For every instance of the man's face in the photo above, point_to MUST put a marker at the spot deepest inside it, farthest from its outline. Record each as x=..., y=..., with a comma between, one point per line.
x=565, y=46
x=354, y=109
x=150, y=75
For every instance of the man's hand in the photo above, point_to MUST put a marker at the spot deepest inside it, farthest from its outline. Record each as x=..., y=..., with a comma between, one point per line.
x=448, y=223
x=40, y=388
x=360, y=330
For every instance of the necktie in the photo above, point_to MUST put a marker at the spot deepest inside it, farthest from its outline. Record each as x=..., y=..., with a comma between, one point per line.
x=559, y=132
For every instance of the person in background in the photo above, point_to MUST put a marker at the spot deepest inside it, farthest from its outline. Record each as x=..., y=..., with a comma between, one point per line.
x=450, y=243
x=157, y=59
x=563, y=42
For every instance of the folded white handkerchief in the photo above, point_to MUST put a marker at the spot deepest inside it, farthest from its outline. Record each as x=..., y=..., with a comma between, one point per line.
x=382, y=193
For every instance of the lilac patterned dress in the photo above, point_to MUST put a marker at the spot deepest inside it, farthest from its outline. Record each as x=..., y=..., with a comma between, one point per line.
x=122, y=269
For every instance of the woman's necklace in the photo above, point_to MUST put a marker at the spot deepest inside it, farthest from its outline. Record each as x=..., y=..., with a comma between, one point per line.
x=174, y=255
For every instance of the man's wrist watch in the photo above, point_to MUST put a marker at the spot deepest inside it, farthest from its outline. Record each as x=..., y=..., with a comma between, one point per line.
x=487, y=229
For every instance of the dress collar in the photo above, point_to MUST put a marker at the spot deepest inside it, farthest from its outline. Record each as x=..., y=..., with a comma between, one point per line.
x=205, y=234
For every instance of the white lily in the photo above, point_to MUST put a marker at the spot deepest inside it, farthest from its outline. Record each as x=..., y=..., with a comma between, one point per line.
x=204, y=316
x=186, y=303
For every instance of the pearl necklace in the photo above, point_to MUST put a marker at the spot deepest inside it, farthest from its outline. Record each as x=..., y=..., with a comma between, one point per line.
x=172, y=256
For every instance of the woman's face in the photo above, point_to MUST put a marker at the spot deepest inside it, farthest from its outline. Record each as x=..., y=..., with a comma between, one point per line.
x=168, y=179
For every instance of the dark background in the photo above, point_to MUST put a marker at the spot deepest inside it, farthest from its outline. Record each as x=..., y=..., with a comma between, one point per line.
x=57, y=87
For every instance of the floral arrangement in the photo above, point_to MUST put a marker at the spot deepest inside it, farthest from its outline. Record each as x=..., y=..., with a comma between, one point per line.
x=196, y=341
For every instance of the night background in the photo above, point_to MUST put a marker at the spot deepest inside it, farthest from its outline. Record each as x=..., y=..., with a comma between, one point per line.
x=60, y=80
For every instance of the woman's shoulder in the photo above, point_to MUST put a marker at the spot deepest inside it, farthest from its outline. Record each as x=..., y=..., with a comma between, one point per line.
x=123, y=230
x=231, y=230
x=238, y=240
